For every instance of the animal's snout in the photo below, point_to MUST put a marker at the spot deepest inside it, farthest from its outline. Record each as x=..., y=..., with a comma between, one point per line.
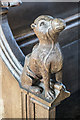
x=58, y=24
x=62, y=23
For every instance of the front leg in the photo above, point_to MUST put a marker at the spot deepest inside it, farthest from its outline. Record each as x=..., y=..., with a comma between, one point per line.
x=49, y=93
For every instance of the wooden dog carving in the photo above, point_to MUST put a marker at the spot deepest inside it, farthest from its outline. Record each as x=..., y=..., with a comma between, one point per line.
x=46, y=57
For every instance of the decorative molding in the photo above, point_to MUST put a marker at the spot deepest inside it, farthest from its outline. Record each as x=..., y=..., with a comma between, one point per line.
x=12, y=59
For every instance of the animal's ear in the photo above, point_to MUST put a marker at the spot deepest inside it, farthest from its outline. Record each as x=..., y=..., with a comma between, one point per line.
x=33, y=25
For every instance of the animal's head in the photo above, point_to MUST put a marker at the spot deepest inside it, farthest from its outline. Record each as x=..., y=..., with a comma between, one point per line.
x=45, y=24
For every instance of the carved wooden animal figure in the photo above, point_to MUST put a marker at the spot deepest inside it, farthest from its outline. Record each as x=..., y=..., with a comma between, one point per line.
x=46, y=57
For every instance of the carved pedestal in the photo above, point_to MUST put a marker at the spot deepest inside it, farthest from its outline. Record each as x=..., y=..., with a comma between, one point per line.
x=36, y=109
x=37, y=106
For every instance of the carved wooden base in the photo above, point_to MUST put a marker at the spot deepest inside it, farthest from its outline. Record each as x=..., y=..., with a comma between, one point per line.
x=37, y=106
x=35, y=109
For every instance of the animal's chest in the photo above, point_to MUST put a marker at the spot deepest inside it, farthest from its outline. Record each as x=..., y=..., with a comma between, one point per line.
x=56, y=61
x=38, y=55
x=45, y=57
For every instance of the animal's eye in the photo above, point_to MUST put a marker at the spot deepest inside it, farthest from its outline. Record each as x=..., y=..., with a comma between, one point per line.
x=42, y=23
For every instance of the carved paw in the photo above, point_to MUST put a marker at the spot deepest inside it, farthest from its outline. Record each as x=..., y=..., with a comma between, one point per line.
x=36, y=89
x=50, y=94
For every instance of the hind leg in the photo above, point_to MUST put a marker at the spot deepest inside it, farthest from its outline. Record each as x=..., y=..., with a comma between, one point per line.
x=28, y=78
x=58, y=76
x=27, y=83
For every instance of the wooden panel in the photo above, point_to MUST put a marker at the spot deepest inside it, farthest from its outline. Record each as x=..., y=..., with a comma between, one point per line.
x=24, y=99
x=11, y=94
x=52, y=113
x=0, y=78
x=32, y=110
x=41, y=112
x=1, y=100
x=28, y=106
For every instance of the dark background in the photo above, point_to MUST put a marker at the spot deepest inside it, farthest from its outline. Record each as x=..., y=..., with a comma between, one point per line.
x=22, y=16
